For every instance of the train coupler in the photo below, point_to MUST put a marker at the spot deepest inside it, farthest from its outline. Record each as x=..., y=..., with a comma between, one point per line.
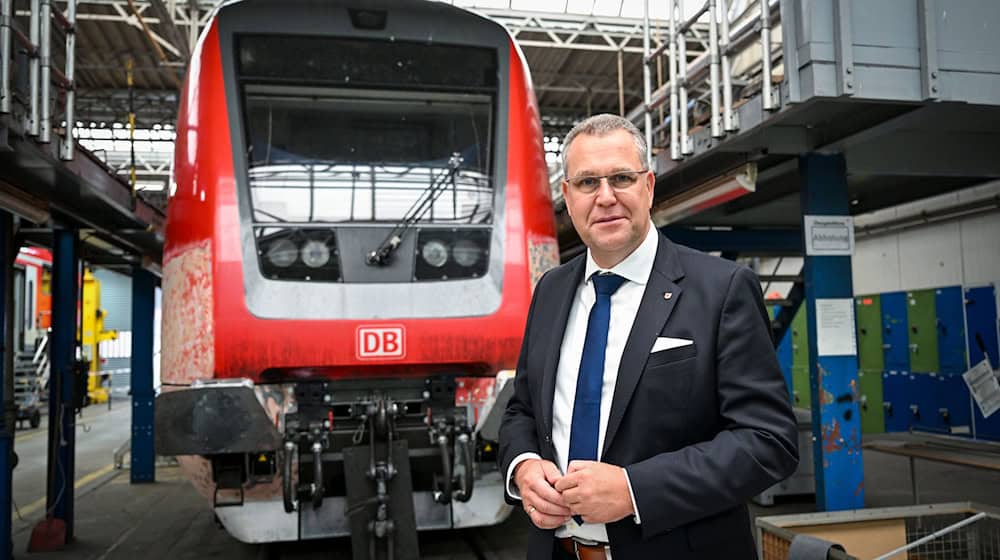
x=455, y=443
x=380, y=488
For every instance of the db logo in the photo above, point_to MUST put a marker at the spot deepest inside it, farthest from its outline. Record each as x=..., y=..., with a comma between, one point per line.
x=383, y=341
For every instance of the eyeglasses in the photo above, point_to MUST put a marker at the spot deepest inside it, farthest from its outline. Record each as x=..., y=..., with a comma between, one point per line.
x=619, y=180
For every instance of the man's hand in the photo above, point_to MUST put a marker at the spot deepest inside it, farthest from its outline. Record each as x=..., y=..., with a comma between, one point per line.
x=535, y=480
x=598, y=492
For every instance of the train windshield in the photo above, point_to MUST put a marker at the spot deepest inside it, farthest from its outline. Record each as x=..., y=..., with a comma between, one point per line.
x=358, y=142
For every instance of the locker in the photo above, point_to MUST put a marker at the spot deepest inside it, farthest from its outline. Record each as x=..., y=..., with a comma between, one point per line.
x=897, y=396
x=868, y=314
x=921, y=319
x=943, y=402
x=895, y=342
x=872, y=408
x=948, y=306
x=784, y=351
x=800, y=359
x=981, y=329
x=981, y=318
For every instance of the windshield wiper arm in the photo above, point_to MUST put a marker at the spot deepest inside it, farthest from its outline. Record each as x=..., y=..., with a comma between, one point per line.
x=382, y=254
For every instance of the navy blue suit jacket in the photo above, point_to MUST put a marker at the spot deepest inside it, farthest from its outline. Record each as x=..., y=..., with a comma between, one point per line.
x=700, y=429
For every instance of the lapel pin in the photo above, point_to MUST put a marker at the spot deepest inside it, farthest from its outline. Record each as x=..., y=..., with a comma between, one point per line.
x=668, y=295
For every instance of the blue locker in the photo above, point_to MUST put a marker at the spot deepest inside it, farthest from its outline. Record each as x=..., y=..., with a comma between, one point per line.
x=955, y=398
x=895, y=339
x=949, y=303
x=897, y=396
x=981, y=328
x=981, y=317
x=784, y=351
x=942, y=403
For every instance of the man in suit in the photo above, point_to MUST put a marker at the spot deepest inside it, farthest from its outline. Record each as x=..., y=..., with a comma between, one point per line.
x=648, y=404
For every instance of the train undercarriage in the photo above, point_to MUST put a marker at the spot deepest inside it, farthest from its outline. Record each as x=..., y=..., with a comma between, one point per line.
x=377, y=460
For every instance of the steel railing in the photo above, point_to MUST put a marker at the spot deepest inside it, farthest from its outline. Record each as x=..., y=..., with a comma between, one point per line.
x=708, y=79
x=41, y=73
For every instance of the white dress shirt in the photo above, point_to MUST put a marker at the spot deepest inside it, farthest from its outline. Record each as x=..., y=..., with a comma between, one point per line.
x=624, y=306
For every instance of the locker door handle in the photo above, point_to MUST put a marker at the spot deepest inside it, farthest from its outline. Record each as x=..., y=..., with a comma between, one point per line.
x=914, y=347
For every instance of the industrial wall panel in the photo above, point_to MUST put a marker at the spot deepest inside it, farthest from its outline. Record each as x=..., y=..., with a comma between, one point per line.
x=895, y=340
x=875, y=265
x=922, y=331
x=949, y=307
x=957, y=33
x=980, y=250
x=981, y=321
x=961, y=252
x=868, y=314
x=872, y=409
x=931, y=256
x=116, y=299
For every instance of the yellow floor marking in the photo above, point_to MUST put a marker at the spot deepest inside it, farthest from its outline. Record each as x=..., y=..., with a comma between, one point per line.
x=26, y=437
x=85, y=479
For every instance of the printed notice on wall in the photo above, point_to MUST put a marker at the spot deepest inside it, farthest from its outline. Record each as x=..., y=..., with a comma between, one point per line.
x=829, y=235
x=984, y=387
x=835, y=327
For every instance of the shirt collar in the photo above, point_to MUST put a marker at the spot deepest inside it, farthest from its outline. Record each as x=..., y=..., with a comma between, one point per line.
x=637, y=266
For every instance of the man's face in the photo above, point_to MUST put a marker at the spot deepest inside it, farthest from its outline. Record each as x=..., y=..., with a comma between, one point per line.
x=612, y=222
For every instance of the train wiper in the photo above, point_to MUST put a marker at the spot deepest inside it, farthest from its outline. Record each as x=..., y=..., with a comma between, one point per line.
x=381, y=255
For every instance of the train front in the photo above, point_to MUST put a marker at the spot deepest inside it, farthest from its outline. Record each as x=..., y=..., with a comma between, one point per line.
x=361, y=209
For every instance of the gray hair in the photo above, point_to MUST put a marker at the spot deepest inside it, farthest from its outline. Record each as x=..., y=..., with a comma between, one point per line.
x=604, y=124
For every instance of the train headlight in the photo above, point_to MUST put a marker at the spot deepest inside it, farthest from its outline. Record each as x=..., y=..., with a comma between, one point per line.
x=315, y=253
x=466, y=253
x=282, y=253
x=435, y=253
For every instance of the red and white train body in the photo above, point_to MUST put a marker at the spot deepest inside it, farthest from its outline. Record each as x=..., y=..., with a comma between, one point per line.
x=361, y=211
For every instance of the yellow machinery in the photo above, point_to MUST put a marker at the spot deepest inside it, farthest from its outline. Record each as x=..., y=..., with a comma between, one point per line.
x=93, y=333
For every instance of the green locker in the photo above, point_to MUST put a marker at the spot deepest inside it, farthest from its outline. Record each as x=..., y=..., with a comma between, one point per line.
x=871, y=362
x=800, y=358
x=868, y=314
x=922, y=331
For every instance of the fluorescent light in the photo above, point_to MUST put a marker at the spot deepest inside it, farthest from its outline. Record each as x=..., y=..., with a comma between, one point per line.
x=719, y=190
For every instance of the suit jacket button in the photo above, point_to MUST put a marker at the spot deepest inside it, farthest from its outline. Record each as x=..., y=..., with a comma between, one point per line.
x=548, y=439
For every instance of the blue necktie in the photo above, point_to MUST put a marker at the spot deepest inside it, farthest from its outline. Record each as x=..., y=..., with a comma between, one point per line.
x=583, y=436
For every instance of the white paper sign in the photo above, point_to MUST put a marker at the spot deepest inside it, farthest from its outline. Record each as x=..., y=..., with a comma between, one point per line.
x=829, y=235
x=835, y=327
x=984, y=387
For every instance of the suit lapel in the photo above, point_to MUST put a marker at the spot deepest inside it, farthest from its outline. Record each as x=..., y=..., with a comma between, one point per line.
x=654, y=310
x=562, y=303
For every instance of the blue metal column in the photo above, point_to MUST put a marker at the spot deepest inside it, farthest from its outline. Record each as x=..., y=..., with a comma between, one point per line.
x=62, y=382
x=833, y=379
x=143, y=454
x=7, y=414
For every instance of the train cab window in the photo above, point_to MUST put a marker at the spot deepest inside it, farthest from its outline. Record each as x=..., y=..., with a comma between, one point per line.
x=360, y=132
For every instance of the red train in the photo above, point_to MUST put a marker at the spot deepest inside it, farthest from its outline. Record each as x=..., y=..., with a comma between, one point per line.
x=361, y=212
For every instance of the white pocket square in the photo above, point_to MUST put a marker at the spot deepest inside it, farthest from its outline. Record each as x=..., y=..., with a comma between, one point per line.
x=666, y=343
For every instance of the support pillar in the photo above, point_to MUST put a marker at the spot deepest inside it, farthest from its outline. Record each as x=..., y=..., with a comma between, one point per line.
x=62, y=380
x=143, y=309
x=8, y=250
x=833, y=367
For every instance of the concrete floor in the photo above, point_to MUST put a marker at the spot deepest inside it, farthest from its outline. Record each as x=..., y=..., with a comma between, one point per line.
x=168, y=520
